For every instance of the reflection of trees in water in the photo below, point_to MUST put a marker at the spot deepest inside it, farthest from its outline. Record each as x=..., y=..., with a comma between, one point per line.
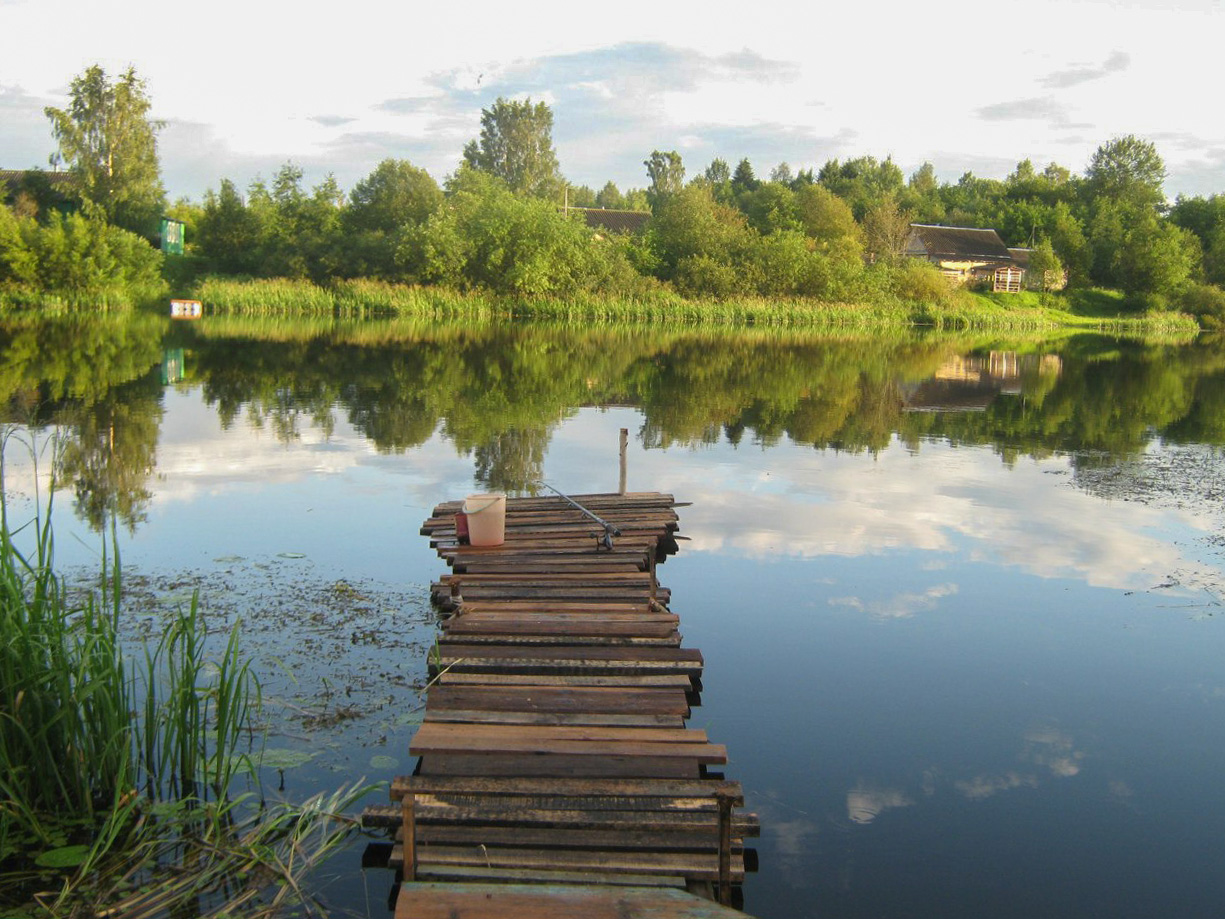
x=95, y=379
x=497, y=392
x=111, y=454
x=512, y=460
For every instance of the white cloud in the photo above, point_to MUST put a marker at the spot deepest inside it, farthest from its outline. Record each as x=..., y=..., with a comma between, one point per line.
x=260, y=77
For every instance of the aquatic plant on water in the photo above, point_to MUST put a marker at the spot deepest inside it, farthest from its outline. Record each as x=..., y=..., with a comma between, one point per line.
x=118, y=774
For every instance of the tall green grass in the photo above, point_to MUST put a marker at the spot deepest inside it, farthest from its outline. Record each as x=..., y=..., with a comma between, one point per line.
x=65, y=731
x=954, y=310
x=353, y=299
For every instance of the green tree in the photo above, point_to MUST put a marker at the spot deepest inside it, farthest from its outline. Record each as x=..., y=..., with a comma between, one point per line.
x=228, y=234
x=782, y=174
x=718, y=172
x=516, y=145
x=1127, y=170
x=17, y=264
x=743, y=179
x=1045, y=271
x=827, y=220
x=771, y=207
x=610, y=197
x=862, y=182
x=886, y=227
x=486, y=236
x=395, y=193
x=109, y=141
x=667, y=174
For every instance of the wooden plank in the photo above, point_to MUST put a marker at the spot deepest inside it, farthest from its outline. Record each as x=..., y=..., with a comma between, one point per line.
x=672, y=640
x=569, y=901
x=641, y=613
x=572, y=607
x=483, y=814
x=690, y=656
x=610, y=765
x=639, y=680
x=548, y=699
x=477, y=734
x=476, y=716
x=705, y=839
x=694, y=865
x=703, y=792
x=557, y=577
x=434, y=738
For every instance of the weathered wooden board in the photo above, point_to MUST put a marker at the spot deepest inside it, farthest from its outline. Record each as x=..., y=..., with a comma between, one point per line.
x=539, y=901
x=492, y=678
x=682, y=794
x=612, y=719
x=609, y=766
x=549, y=699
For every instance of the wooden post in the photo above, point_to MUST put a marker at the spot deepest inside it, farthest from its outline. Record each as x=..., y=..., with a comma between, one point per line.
x=625, y=436
x=725, y=847
x=409, y=823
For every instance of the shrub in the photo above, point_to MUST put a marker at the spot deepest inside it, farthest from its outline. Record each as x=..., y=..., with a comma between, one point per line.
x=1206, y=302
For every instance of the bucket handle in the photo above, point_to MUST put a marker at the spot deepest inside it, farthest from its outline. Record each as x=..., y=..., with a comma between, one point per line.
x=464, y=507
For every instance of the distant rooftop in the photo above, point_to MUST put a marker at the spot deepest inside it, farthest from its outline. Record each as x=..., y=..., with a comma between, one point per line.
x=960, y=243
x=614, y=221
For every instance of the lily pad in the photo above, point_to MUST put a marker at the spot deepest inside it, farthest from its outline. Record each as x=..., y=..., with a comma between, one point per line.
x=284, y=758
x=63, y=857
x=291, y=555
x=382, y=761
x=226, y=559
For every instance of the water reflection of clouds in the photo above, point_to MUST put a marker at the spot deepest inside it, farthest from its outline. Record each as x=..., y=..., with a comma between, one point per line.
x=825, y=503
x=197, y=458
x=984, y=786
x=1046, y=747
x=899, y=606
x=864, y=802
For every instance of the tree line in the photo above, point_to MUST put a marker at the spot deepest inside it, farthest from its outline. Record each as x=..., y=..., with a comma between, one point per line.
x=500, y=221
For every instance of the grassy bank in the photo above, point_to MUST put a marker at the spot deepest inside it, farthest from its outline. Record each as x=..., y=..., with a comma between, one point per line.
x=1088, y=311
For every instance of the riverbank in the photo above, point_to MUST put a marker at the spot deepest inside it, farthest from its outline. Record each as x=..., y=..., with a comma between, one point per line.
x=1087, y=310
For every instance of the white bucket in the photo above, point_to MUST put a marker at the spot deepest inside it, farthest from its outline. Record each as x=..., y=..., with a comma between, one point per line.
x=486, y=519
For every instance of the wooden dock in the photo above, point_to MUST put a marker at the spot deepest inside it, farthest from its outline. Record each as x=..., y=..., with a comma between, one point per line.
x=554, y=749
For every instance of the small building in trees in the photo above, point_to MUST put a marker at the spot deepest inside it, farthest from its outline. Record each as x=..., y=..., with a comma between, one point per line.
x=967, y=255
x=609, y=221
x=31, y=191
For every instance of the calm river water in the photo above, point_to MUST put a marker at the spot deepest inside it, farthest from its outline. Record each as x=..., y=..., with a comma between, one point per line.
x=960, y=598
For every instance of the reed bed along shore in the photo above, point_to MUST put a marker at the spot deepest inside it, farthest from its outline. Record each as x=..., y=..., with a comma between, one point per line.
x=361, y=299
x=129, y=776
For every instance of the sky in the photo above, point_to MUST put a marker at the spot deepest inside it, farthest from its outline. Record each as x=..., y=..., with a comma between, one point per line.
x=244, y=87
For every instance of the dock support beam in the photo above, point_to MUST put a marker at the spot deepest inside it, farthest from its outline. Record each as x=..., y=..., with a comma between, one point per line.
x=725, y=799
x=409, y=821
x=625, y=437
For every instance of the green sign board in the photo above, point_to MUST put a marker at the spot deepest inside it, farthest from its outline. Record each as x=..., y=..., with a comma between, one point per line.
x=172, y=236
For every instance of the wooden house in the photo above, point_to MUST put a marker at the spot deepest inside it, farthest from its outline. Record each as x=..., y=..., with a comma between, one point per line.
x=967, y=254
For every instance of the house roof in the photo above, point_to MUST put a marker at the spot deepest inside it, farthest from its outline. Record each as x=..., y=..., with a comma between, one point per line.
x=960, y=243
x=12, y=177
x=1020, y=256
x=614, y=221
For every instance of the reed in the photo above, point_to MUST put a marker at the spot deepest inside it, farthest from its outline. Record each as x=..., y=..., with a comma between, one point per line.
x=362, y=299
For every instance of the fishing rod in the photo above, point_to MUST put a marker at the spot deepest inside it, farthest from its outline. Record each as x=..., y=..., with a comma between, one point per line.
x=609, y=529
